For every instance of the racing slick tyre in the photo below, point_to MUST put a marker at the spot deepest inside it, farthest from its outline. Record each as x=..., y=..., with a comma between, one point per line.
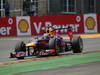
x=53, y=44
x=77, y=44
x=20, y=46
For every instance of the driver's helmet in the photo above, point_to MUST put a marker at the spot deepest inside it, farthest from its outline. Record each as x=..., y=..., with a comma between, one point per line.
x=50, y=31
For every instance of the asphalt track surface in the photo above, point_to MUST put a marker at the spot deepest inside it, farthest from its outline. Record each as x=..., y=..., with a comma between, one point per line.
x=90, y=44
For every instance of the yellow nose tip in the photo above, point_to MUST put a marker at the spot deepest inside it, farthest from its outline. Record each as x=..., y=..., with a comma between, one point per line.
x=30, y=45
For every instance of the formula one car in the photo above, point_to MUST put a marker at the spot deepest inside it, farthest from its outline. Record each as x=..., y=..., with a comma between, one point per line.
x=48, y=44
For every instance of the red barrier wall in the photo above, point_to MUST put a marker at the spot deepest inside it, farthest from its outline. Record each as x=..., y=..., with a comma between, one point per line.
x=98, y=21
x=8, y=26
x=38, y=23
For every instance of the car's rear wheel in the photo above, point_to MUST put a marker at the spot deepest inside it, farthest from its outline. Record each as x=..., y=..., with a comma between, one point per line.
x=77, y=44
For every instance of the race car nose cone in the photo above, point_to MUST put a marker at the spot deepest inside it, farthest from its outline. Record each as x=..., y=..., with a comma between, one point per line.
x=30, y=45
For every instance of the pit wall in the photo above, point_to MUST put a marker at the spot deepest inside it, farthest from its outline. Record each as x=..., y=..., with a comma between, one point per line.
x=34, y=25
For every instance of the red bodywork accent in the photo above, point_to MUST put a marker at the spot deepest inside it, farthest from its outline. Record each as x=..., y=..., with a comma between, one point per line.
x=70, y=34
x=18, y=54
x=52, y=51
x=48, y=52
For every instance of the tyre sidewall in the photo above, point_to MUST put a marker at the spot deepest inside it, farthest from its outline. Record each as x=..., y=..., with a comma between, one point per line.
x=77, y=44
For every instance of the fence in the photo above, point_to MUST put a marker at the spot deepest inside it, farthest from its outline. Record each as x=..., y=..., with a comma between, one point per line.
x=23, y=7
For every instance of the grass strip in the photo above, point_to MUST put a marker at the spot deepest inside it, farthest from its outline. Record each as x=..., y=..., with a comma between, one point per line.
x=53, y=63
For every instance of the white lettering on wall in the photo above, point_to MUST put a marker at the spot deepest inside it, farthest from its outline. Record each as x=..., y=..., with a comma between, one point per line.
x=63, y=28
x=37, y=26
x=10, y=21
x=5, y=30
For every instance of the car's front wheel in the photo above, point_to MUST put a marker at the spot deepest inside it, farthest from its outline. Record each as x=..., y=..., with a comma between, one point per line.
x=20, y=47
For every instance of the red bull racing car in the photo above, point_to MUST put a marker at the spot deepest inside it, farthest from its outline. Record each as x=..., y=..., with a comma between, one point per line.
x=49, y=44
